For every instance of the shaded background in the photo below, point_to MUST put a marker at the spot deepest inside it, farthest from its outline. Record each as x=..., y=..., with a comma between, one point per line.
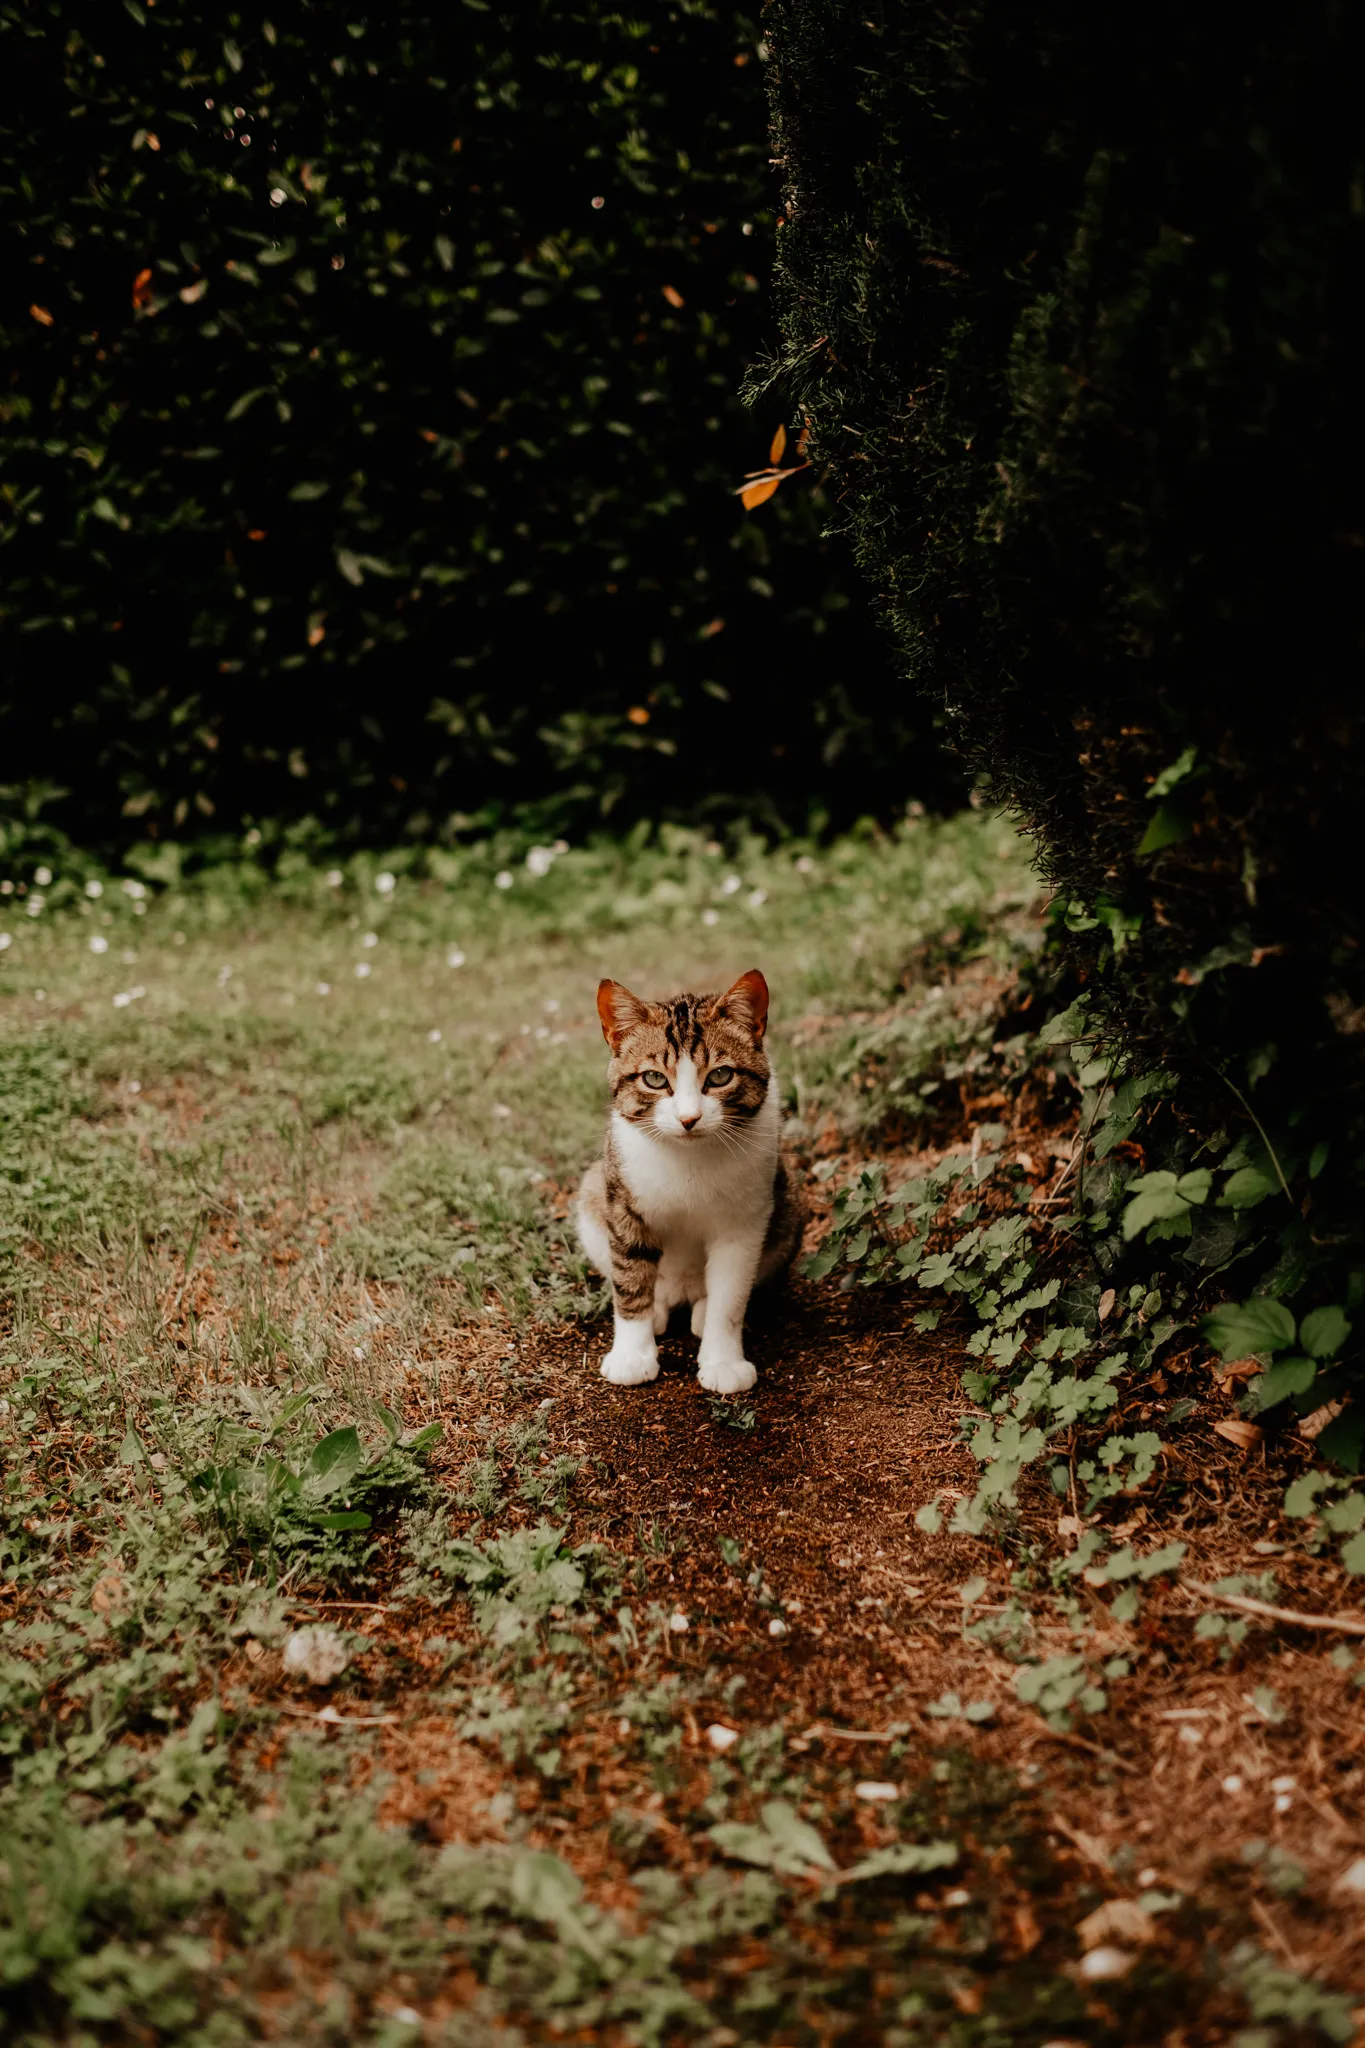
x=371, y=432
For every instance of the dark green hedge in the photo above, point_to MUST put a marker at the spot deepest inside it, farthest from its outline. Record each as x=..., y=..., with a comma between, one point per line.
x=1072, y=304
x=369, y=425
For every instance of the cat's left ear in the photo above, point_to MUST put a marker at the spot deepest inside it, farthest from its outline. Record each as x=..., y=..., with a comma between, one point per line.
x=746, y=1000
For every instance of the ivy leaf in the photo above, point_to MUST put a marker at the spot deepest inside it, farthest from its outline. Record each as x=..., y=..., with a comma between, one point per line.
x=1168, y=827
x=334, y=1463
x=1287, y=1376
x=1353, y=1553
x=1250, y=1328
x=1324, y=1331
x=1247, y=1187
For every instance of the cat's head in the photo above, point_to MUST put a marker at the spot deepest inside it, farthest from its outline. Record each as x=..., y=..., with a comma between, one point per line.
x=687, y=1067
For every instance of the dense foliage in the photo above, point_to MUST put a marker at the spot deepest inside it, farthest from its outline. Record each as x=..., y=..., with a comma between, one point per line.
x=1073, y=319
x=370, y=429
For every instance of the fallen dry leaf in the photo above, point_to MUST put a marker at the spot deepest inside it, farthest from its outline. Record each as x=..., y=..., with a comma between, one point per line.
x=1246, y=1435
x=108, y=1592
x=759, y=493
x=638, y=714
x=1240, y=1370
x=1116, y=1920
x=779, y=444
x=41, y=315
x=674, y=297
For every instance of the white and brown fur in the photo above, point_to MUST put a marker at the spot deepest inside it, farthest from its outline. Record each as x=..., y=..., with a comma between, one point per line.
x=691, y=1200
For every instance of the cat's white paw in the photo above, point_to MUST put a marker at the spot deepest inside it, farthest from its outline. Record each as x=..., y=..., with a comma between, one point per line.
x=726, y=1376
x=630, y=1365
x=699, y=1317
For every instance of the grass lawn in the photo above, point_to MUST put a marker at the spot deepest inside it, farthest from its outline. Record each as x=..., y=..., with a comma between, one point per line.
x=372, y=1672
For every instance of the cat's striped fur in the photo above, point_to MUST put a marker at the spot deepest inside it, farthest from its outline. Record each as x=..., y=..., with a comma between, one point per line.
x=691, y=1200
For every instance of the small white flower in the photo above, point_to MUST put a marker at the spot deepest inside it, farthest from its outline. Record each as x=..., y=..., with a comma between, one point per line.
x=370, y=939
x=539, y=860
x=122, y=999
x=875, y=1789
x=679, y=1624
x=757, y=898
x=6, y=940
x=385, y=883
x=1233, y=1784
x=542, y=1031
x=454, y=958
x=721, y=1738
x=710, y=917
x=1102, y=1965
x=335, y=878
x=501, y=1109
x=324, y=988
x=362, y=970
x=1283, y=1801
x=136, y=890
x=731, y=886
x=34, y=906
x=133, y=1087
x=805, y=866
x=503, y=879
x=433, y=1038
x=43, y=877
x=552, y=1007
x=94, y=890
x=317, y=1654
x=777, y=1627
x=99, y=944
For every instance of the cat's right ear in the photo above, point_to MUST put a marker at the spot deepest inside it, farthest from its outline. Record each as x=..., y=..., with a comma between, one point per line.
x=619, y=1011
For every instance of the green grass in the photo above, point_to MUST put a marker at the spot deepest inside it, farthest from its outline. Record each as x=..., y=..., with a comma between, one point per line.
x=279, y=1262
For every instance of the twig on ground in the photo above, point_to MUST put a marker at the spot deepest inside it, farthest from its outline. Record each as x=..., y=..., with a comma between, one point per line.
x=1046, y=1734
x=330, y=1718
x=820, y=1729
x=1295, y=1616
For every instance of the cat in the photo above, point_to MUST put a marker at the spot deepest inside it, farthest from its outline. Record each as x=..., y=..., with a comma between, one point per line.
x=691, y=1200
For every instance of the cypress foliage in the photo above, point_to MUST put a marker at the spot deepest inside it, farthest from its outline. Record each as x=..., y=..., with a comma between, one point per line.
x=1071, y=305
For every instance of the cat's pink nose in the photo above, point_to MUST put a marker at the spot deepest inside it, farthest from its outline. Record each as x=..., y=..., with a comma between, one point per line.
x=688, y=1122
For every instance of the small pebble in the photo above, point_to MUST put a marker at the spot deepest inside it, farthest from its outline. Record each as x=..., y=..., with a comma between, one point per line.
x=722, y=1738
x=679, y=1624
x=876, y=1788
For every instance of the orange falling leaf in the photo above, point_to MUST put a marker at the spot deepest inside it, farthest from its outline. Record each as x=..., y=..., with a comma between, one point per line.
x=428, y=434
x=142, y=287
x=711, y=628
x=153, y=141
x=638, y=715
x=775, y=453
x=256, y=533
x=316, y=635
x=41, y=315
x=759, y=493
x=674, y=297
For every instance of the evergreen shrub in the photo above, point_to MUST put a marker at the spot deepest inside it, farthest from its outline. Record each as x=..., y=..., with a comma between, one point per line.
x=370, y=431
x=1070, y=304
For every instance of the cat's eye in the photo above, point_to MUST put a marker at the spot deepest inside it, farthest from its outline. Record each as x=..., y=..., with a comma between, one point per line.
x=720, y=1077
x=654, y=1079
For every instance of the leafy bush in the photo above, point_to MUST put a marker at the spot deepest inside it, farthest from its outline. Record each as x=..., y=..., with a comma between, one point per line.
x=387, y=364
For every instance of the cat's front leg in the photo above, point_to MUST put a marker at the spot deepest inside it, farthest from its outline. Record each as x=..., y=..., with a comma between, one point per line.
x=634, y=1354
x=722, y=1367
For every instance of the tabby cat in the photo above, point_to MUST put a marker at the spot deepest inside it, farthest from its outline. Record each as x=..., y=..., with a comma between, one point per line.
x=691, y=1200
